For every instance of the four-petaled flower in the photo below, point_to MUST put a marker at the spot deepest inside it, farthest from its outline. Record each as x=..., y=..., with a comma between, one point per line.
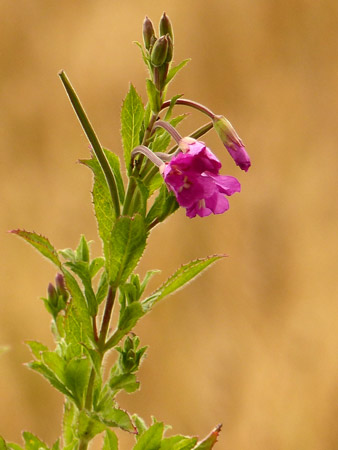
x=193, y=176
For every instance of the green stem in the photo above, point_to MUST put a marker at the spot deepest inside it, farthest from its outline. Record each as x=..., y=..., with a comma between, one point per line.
x=90, y=133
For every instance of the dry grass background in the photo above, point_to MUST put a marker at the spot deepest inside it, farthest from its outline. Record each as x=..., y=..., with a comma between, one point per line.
x=252, y=343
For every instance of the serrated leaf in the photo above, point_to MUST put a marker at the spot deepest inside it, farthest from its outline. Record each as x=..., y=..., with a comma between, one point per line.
x=77, y=321
x=209, y=442
x=41, y=244
x=150, y=439
x=95, y=265
x=153, y=96
x=165, y=204
x=32, y=442
x=174, y=70
x=181, y=277
x=178, y=443
x=116, y=417
x=76, y=374
x=141, y=197
x=55, y=363
x=139, y=423
x=126, y=381
x=110, y=441
x=127, y=245
x=47, y=373
x=102, y=288
x=131, y=121
x=37, y=348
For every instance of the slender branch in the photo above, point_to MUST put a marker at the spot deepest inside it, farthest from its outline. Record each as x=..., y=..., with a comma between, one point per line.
x=148, y=153
x=93, y=139
x=192, y=104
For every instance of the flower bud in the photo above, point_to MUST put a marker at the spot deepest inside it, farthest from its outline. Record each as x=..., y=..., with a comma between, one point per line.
x=52, y=295
x=170, y=49
x=148, y=33
x=159, y=52
x=232, y=142
x=61, y=287
x=166, y=27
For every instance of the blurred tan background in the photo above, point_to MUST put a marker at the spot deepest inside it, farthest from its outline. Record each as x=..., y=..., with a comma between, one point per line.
x=253, y=342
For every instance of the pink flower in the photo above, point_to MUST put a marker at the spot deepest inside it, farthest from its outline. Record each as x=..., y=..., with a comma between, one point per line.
x=232, y=142
x=193, y=176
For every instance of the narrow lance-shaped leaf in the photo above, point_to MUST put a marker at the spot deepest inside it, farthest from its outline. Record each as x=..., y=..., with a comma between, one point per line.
x=174, y=70
x=131, y=122
x=41, y=243
x=110, y=441
x=181, y=277
x=127, y=245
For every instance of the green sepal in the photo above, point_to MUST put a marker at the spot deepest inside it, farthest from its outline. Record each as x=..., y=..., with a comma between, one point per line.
x=153, y=96
x=131, y=121
x=174, y=70
x=41, y=244
x=32, y=442
x=150, y=439
x=110, y=441
x=181, y=277
x=164, y=205
x=127, y=245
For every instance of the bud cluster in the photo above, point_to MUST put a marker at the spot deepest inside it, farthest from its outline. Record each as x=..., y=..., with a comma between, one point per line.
x=159, y=49
x=57, y=296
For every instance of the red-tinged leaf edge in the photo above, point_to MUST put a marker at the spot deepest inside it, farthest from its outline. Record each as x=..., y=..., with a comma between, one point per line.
x=209, y=442
x=40, y=243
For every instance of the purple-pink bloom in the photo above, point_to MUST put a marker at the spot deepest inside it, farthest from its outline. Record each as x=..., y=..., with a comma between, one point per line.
x=193, y=176
x=232, y=142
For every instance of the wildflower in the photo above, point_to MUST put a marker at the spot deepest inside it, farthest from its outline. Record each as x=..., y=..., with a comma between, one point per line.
x=193, y=176
x=232, y=142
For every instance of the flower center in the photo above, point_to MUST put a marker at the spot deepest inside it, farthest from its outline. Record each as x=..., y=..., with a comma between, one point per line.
x=186, y=184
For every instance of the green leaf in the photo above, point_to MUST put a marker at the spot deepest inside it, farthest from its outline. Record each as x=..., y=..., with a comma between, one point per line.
x=210, y=440
x=77, y=322
x=81, y=269
x=82, y=251
x=47, y=373
x=32, y=442
x=164, y=205
x=174, y=70
x=153, y=96
x=127, y=245
x=55, y=363
x=150, y=439
x=178, y=443
x=68, y=425
x=12, y=446
x=128, y=319
x=171, y=106
x=126, y=381
x=131, y=122
x=56, y=445
x=181, y=277
x=102, y=288
x=37, y=348
x=115, y=417
x=88, y=426
x=110, y=441
x=76, y=378
x=140, y=424
x=95, y=266
x=41, y=243
x=3, y=445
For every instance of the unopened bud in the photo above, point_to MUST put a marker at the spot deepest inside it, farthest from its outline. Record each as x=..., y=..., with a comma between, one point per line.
x=148, y=33
x=52, y=294
x=232, y=142
x=166, y=27
x=170, y=49
x=60, y=286
x=159, y=52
